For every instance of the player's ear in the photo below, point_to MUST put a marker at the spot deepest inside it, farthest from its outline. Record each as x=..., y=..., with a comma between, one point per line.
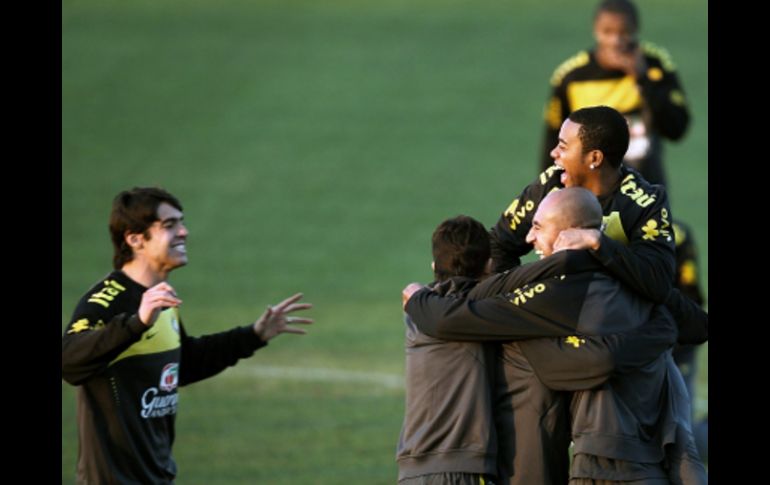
x=134, y=240
x=595, y=158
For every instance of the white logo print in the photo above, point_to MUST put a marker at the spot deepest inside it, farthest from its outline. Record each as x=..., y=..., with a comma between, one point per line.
x=154, y=406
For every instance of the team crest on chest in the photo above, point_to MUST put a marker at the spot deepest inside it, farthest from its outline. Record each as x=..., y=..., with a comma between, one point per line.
x=169, y=377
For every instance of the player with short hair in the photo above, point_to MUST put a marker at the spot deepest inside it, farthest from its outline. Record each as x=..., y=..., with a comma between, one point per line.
x=128, y=352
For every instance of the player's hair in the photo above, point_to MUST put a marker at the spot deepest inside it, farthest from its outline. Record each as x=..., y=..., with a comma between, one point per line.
x=133, y=212
x=622, y=7
x=460, y=248
x=605, y=129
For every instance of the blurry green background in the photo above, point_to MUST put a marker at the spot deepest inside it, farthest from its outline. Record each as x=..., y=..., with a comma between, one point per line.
x=315, y=146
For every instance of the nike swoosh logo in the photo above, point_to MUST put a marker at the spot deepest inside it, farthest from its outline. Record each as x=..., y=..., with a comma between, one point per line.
x=150, y=335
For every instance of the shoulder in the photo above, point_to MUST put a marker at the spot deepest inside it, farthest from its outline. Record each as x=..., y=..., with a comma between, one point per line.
x=109, y=296
x=634, y=190
x=657, y=56
x=580, y=59
x=643, y=208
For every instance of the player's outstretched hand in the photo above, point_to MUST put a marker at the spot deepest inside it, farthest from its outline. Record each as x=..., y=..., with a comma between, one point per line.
x=275, y=320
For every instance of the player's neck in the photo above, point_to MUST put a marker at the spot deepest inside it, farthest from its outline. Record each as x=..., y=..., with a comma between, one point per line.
x=610, y=179
x=143, y=273
x=601, y=59
x=604, y=182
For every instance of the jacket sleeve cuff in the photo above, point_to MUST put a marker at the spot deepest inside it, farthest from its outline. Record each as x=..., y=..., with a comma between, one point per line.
x=250, y=339
x=135, y=326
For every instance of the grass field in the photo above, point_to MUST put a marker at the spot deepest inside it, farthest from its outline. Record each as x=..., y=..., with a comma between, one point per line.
x=315, y=146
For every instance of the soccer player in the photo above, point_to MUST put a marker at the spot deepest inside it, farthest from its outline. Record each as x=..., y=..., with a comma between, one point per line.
x=448, y=434
x=637, y=243
x=128, y=352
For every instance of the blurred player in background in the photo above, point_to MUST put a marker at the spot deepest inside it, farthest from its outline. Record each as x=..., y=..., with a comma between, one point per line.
x=636, y=78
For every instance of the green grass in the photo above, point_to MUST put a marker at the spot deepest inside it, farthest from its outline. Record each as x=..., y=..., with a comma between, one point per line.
x=315, y=146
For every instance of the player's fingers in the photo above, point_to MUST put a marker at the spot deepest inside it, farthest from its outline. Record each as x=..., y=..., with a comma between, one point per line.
x=160, y=293
x=297, y=306
x=163, y=286
x=280, y=307
x=299, y=320
x=165, y=300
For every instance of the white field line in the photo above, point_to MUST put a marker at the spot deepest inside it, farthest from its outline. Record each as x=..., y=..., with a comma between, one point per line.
x=327, y=374
x=321, y=374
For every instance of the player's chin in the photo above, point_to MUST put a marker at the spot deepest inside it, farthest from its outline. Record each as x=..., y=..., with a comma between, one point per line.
x=180, y=261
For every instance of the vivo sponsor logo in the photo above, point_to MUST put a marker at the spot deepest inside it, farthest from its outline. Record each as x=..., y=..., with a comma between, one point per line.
x=521, y=295
x=169, y=377
x=154, y=406
x=516, y=214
